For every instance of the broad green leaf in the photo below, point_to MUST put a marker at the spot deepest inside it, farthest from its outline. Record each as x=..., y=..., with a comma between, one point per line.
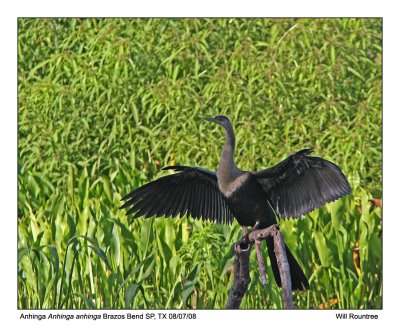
x=324, y=252
x=130, y=294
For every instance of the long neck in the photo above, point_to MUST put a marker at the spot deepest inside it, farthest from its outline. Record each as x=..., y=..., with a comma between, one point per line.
x=227, y=164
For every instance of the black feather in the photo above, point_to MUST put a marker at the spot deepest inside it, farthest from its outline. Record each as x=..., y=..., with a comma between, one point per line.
x=301, y=183
x=192, y=191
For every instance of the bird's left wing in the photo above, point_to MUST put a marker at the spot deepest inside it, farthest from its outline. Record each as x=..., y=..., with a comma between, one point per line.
x=192, y=191
x=301, y=183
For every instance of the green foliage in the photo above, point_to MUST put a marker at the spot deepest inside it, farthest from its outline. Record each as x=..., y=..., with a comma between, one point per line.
x=105, y=103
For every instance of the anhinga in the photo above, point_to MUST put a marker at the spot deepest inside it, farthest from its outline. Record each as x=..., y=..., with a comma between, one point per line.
x=291, y=188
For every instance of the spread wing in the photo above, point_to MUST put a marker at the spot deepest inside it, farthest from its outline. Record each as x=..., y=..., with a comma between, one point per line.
x=192, y=191
x=301, y=183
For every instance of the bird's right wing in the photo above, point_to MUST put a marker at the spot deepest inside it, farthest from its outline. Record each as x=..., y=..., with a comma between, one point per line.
x=192, y=191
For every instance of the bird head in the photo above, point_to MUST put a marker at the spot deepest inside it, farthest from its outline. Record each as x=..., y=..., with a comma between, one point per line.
x=220, y=120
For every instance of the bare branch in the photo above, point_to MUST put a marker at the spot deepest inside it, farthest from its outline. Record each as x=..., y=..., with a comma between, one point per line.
x=284, y=270
x=261, y=263
x=241, y=266
x=241, y=277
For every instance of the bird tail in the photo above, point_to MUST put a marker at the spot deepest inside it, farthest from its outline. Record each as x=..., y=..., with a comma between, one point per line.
x=299, y=280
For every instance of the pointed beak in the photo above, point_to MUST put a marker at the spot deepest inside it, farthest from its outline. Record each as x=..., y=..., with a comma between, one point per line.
x=209, y=119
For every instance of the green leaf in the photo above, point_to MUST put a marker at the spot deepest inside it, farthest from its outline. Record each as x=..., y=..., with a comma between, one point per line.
x=324, y=252
x=89, y=303
x=70, y=181
x=130, y=294
x=116, y=245
x=164, y=249
x=190, y=283
x=107, y=187
x=72, y=226
x=337, y=214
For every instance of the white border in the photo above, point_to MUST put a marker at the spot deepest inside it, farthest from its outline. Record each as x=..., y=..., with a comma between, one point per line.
x=206, y=8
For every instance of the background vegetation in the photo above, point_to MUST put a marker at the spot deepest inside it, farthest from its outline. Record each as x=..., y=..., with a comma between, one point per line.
x=105, y=103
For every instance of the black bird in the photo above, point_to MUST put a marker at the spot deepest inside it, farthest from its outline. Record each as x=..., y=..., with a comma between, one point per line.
x=291, y=188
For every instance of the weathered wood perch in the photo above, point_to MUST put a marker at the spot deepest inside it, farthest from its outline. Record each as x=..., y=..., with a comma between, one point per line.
x=242, y=263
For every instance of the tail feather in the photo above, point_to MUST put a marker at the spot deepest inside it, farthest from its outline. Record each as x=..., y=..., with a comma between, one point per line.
x=299, y=280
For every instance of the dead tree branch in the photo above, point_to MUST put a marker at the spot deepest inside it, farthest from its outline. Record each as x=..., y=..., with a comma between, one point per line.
x=261, y=263
x=241, y=276
x=242, y=264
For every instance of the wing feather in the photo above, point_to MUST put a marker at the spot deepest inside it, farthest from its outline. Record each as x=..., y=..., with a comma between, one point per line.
x=301, y=183
x=191, y=191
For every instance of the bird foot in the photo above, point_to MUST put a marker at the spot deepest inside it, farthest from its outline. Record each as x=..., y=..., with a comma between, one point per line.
x=241, y=246
x=243, y=243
